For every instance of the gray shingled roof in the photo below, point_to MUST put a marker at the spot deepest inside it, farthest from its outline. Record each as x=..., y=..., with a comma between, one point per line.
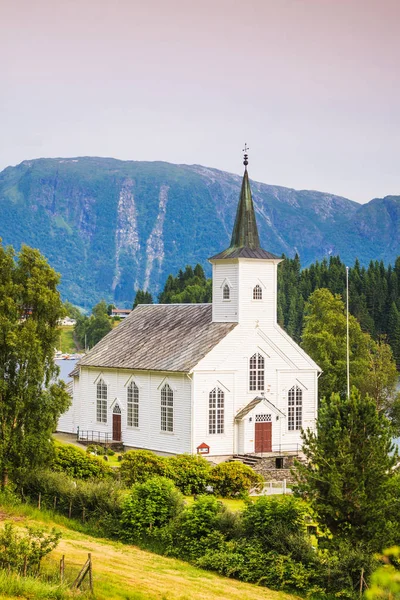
x=245, y=252
x=159, y=337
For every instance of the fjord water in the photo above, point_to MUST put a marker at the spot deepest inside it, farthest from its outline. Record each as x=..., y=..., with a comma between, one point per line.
x=66, y=366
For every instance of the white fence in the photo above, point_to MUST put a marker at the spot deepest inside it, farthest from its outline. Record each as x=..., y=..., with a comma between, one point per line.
x=273, y=487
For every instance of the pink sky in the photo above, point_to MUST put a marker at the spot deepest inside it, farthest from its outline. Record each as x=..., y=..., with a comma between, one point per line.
x=311, y=85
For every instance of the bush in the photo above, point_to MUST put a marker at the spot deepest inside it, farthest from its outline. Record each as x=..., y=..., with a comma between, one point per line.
x=139, y=465
x=95, y=449
x=201, y=526
x=191, y=474
x=94, y=499
x=279, y=524
x=233, y=479
x=25, y=551
x=76, y=463
x=150, y=507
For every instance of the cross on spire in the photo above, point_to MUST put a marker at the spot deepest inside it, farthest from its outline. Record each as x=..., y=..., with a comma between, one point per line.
x=246, y=156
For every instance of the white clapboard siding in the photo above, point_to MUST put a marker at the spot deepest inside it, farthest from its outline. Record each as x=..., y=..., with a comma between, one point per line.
x=225, y=272
x=148, y=434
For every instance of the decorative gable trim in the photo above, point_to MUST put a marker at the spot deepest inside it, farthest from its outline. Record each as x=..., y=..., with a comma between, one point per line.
x=169, y=382
x=101, y=376
x=279, y=352
x=117, y=401
x=226, y=282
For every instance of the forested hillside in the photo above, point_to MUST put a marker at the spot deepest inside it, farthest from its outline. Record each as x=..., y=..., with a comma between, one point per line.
x=110, y=227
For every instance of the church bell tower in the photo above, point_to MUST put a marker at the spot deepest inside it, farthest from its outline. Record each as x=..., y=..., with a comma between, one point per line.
x=245, y=275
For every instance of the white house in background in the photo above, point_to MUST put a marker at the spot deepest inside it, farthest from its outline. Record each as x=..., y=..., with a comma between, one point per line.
x=218, y=379
x=122, y=313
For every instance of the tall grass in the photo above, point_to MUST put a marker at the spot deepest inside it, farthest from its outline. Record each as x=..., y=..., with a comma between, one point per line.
x=31, y=587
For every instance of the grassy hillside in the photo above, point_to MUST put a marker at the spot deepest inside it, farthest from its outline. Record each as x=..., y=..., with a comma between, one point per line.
x=123, y=572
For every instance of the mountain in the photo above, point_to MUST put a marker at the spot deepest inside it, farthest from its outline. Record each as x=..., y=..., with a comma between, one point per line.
x=111, y=226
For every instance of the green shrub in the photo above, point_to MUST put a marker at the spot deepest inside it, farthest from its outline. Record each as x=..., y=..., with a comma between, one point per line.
x=191, y=474
x=233, y=479
x=95, y=449
x=77, y=463
x=20, y=551
x=139, y=465
x=279, y=524
x=110, y=452
x=150, y=507
x=201, y=526
x=92, y=499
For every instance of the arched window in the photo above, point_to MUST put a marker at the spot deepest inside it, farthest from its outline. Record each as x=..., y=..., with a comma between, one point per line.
x=226, y=292
x=101, y=402
x=295, y=408
x=256, y=373
x=257, y=292
x=132, y=405
x=216, y=411
x=167, y=409
x=117, y=409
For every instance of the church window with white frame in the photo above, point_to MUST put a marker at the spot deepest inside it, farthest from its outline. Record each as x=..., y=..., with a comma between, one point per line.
x=167, y=409
x=257, y=292
x=295, y=408
x=132, y=405
x=101, y=402
x=256, y=373
x=216, y=411
x=226, y=292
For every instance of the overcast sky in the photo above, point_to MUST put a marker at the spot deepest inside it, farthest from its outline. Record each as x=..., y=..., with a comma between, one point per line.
x=313, y=86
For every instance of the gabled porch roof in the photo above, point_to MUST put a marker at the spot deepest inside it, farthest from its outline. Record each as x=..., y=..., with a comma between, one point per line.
x=253, y=403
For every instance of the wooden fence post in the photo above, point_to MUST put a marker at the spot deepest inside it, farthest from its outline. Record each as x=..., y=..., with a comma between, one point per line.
x=70, y=509
x=62, y=568
x=90, y=573
x=39, y=500
x=55, y=502
x=361, y=581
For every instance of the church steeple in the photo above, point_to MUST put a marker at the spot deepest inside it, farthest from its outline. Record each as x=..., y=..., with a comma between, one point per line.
x=245, y=242
x=245, y=232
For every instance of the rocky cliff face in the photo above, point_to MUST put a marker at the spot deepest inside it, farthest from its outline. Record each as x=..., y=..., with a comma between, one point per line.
x=111, y=226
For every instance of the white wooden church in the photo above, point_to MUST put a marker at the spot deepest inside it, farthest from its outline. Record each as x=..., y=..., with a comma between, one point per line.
x=218, y=379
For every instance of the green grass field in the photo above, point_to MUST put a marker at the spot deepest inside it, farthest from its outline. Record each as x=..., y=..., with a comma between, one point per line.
x=121, y=572
x=66, y=341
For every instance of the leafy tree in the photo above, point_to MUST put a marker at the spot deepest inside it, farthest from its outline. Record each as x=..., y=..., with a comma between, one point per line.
x=381, y=382
x=349, y=472
x=90, y=330
x=31, y=400
x=110, y=308
x=142, y=297
x=324, y=339
x=71, y=310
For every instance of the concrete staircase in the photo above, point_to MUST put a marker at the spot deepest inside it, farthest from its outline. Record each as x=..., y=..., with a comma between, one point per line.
x=247, y=459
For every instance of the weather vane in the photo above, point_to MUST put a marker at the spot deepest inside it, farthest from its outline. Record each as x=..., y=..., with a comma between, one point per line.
x=246, y=156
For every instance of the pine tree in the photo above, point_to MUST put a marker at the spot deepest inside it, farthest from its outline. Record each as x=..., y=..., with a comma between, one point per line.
x=142, y=297
x=347, y=479
x=394, y=332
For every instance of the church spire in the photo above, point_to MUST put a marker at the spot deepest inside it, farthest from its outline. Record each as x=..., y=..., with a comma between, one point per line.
x=245, y=232
x=245, y=242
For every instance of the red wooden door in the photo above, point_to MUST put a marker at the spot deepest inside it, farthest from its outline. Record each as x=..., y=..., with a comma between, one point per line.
x=263, y=437
x=116, y=428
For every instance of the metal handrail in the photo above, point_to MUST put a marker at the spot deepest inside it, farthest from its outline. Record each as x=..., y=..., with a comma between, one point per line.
x=94, y=436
